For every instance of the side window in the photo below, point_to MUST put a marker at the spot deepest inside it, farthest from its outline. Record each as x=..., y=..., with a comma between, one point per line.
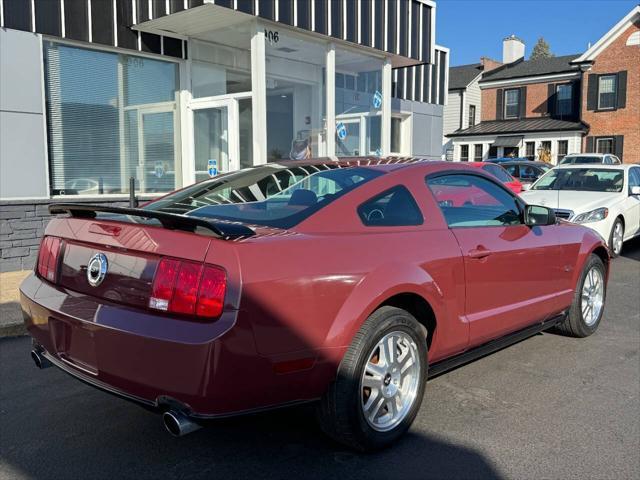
x=512, y=170
x=393, y=208
x=473, y=201
x=529, y=172
x=634, y=177
x=497, y=172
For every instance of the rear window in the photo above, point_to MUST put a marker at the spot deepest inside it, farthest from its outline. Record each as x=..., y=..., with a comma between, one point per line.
x=393, y=208
x=580, y=159
x=272, y=195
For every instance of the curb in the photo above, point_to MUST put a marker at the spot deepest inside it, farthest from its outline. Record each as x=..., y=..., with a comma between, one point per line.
x=12, y=330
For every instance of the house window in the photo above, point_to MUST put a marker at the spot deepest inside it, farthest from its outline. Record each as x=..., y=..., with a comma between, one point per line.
x=472, y=115
x=604, y=145
x=512, y=103
x=530, y=150
x=607, y=92
x=564, y=100
x=477, y=153
x=110, y=116
x=464, y=153
x=563, y=147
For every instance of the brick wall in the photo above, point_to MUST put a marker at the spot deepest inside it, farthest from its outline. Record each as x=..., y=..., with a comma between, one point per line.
x=22, y=225
x=625, y=121
x=537, y=95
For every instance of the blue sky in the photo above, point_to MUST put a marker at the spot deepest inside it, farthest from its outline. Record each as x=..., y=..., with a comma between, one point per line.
x=475, y=28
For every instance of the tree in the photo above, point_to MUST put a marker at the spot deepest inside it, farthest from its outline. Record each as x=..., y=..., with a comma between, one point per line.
x=541, y=50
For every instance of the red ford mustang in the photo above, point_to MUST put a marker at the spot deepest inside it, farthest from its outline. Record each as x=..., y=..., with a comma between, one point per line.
x=345, y=283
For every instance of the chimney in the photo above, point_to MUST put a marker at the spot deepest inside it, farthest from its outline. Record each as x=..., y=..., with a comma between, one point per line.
x=512, y=49
x=489, y=64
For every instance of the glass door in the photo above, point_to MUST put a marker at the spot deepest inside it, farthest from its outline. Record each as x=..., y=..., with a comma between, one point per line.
x=215, y=140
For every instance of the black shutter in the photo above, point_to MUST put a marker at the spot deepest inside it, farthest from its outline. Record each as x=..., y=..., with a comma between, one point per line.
x=618, y=146
x=576, y=98
x=551, y=99
x=622, y=89
x=523, y=102
x=499, y=107
x=590, y=143
x=592, y=92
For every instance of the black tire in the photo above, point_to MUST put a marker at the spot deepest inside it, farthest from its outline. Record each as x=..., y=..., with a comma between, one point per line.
x=618, y=221
x=574, y=324
x=340, y=413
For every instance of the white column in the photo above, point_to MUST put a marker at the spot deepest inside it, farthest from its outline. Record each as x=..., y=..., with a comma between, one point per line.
x=259, y=96
x=386, y=108
x=331, y=100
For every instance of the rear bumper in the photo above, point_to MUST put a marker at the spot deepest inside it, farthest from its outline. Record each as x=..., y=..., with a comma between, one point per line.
x=207, y=369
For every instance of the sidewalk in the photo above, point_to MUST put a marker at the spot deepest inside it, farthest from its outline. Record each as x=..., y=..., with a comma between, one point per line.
x=10, y=312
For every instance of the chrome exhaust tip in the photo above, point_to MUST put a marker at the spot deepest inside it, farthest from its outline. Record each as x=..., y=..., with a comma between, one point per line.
x=178, y=424
x=39, y=360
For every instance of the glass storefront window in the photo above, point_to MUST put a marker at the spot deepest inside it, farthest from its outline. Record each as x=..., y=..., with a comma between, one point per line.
x=295, y=70
x=358, y=104
x=219, y=69
x=110, y=116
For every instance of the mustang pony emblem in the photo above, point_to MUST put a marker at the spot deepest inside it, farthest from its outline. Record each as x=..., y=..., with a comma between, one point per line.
x=97, y=269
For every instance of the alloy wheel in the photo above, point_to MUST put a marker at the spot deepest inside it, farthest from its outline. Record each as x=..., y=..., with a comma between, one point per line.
x=616, y=239
x=592, y=296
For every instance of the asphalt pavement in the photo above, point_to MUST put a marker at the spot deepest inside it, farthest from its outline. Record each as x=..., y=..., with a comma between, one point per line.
x=548, y=407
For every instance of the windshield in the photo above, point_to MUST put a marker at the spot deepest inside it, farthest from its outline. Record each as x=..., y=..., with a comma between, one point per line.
x=581, y=179
x=271, y=195
x=580, y=159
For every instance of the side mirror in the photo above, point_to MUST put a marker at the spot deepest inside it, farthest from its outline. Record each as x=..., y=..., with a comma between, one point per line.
x=635, y=190
x=536, y=215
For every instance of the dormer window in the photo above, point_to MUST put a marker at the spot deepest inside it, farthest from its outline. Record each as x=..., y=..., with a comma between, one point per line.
x=512, y=103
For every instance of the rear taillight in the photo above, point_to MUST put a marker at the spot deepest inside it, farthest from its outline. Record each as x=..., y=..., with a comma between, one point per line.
x=188, y=288
x=48, y=258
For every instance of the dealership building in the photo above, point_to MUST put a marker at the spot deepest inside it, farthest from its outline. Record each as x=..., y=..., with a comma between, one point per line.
x=94, y=92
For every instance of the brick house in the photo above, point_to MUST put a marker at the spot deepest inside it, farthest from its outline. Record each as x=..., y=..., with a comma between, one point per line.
x=611, y=90
x=548, y=108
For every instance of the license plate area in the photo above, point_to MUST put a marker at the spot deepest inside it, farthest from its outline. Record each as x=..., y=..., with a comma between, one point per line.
x=74, y=344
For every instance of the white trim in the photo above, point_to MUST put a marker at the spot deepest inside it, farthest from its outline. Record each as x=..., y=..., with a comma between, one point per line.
x=536, y=79
x=397, y=52
x=385, y=141
x=115, y=23
x=33, y=16
x=359, y=22
x=1, y=14
x=259, y=95
x=433, y=30
x=330, y=85
x=45, y=143
x=344, y=19
x=312, y=23
x=608, y=38
x=89, y=30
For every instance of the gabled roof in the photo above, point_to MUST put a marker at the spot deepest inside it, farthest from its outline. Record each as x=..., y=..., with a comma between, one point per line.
x=526, y=125
x=531, y=68
x=460, y=77
x=610, y=36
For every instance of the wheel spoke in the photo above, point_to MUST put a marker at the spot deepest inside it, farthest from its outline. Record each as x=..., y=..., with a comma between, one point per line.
x=374, y=395
x=375, y=370
x=371, y=382
x=406, y=362
x=377, y=405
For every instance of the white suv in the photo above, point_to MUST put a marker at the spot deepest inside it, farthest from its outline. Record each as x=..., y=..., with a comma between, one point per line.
x=582, y=158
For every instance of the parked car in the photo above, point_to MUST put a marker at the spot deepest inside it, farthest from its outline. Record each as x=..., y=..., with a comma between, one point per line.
x=526, y=172
x=583, y=158
x=508, y=159
x=500, y=173
x=348, y=287
x=605, y=198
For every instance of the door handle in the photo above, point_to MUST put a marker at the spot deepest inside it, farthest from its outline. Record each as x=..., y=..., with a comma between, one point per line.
x=479, y=252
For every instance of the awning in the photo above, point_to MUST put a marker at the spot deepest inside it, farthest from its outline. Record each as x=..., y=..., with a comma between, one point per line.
x=511, y=141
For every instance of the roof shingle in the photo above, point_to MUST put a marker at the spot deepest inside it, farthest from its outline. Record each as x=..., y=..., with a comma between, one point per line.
x=531, y=68
x=463, y=75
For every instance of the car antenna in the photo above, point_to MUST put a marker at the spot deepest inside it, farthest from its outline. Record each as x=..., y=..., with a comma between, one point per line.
x=133, y=201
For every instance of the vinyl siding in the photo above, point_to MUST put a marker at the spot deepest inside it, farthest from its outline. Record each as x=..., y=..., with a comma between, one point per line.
x=451, y=121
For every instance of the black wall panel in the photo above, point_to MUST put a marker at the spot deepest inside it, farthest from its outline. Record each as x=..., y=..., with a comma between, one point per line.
x=102, y=22
x=48, y=17
x=351, y=21
x=285, y=11
x=415, y=30
x=320, y=12
x=404, y=28
x=336, y=18
x=246, y=6
x=365, y=23
x=127, y=38
x=378, y=40
x=150, y=42
x=76, y=19
x=266, y=9
x=176, y=6
x=17, y=15
x=304, y=14
x=392, y=18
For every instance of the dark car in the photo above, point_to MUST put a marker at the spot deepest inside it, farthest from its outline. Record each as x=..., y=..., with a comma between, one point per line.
x=526, y=171
x=508, y=159
x=342, y=283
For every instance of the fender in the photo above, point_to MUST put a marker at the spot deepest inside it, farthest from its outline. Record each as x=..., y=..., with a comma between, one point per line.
x=386, y=281
x=590, y=242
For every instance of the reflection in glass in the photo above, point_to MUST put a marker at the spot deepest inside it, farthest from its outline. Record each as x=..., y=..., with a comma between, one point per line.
x=211, y=140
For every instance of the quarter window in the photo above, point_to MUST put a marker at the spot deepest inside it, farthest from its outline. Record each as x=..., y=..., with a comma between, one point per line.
x=393, y=208
x=607, y=92
x=512, y=103
x=472, y=201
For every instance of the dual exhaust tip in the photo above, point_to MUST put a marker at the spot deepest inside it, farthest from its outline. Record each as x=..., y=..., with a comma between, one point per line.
x=177, y=423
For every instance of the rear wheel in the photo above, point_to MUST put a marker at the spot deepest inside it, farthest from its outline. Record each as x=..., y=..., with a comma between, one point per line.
x=588, y=301
x=380, y=382
x=616, y=237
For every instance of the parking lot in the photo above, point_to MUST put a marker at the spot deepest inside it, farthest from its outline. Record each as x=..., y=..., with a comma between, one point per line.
x=547, y=407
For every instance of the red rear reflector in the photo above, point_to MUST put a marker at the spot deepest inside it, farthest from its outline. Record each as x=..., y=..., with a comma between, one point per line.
x=188, y=288
x=48, y=257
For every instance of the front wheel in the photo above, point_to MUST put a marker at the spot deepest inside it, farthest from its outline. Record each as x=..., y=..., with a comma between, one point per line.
x=616, y=237
x=380, y=383
x=588, y=300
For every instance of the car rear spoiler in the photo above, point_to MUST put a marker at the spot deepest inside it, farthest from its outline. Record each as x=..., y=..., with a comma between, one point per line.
x=171, y=221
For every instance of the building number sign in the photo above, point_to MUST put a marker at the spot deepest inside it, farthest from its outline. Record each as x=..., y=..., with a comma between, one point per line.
x=271, y=36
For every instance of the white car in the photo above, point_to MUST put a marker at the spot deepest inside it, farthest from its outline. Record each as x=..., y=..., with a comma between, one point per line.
x=603, y=197
x=583, y=158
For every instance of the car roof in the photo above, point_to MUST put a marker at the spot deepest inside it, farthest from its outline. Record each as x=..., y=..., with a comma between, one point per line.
x=575, y=166
x=527, y=162
x=598, y=155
